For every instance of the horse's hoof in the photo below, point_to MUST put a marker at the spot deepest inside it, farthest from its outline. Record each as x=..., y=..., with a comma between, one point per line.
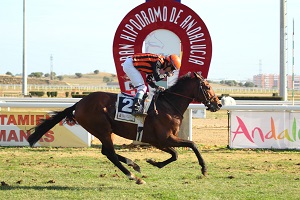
x=140, y=181
x=152, y=162
x=137, y=168
x=204, y=172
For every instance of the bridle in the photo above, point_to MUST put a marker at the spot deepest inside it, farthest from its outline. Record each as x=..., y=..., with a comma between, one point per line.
x=207, y=99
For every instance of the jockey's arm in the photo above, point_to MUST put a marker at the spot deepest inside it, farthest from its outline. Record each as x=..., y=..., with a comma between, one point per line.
x=152, y=84
x=150, y=81
x=156, y=72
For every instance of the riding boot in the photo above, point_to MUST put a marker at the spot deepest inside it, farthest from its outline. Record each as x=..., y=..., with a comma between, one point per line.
x=137, y=107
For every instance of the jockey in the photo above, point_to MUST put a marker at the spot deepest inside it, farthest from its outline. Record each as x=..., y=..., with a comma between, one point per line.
x=154, y=66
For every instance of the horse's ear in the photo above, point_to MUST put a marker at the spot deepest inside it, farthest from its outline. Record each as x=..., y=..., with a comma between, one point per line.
x=198, y=75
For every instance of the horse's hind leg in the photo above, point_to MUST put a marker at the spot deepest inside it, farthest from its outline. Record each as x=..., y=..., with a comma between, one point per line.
x=124, y=160
x=173, y=158
x=113, y=157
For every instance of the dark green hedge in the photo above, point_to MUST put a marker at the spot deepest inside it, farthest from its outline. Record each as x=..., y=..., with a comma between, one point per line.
x=87, y=93
x=37, y=93
x=52, y=94
x=79, y=95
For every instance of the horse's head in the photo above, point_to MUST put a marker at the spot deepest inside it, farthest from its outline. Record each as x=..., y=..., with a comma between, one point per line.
x=207, y=95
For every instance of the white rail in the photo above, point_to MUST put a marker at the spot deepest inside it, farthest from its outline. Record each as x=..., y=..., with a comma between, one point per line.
x=67, y=102
x=73, y=100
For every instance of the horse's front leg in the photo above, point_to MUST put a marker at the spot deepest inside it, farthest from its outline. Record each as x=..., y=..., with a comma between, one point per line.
x=173, y=158
x=193, y=146
x=174, y=141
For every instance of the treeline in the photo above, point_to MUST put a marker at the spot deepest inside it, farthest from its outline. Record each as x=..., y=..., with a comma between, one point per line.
x=107, y=79
x=53, y=76
x=234, y=83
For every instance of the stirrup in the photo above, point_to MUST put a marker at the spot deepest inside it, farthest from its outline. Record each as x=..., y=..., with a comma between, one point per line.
x=138, y=106
x=139, y=111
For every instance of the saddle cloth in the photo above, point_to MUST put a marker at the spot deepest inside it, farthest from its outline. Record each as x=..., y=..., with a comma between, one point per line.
x=124, y=106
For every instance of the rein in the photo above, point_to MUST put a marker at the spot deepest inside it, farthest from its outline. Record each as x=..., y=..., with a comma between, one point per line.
x=179, y=95
x=178, y=111
x=207, y=99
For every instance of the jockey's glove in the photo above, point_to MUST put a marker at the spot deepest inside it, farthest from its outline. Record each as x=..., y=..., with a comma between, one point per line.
x=160, y=88
x=169, y=74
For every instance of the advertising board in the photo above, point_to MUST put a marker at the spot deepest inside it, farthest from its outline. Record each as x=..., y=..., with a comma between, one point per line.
x=15, y=128
x=265, y=129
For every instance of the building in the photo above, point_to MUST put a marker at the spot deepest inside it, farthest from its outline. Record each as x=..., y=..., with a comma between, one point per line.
x=272, y=81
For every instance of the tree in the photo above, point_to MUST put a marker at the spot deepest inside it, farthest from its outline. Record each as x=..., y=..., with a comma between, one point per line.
x=9, y=73
x=230, y=82
x=96, y=71
x=36, y=74
x=60, y=78
x=249, y=84
x=241, y=84
x=106, y=79
x=78, y=75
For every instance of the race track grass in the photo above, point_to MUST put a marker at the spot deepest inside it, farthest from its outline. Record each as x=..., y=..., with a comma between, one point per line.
x=84, y=173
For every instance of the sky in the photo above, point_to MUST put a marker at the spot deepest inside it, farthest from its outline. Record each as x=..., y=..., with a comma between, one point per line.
x=79, y=35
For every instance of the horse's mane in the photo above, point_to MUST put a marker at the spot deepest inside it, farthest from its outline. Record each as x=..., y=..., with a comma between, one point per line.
x=181, y=82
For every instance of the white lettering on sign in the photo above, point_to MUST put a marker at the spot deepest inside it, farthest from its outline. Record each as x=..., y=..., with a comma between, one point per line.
x=197, y=40
x=125, y=51
x=144, y=18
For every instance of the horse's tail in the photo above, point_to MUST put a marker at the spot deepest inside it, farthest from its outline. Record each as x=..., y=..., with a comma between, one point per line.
x=47, y=124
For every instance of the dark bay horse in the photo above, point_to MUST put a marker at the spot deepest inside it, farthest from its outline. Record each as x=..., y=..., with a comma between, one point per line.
x=96, y=112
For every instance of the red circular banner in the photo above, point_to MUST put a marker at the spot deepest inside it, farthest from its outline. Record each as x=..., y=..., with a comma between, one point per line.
x=164, y=14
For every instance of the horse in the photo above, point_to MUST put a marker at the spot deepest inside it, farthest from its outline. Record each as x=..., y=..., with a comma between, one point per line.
x=95, y=113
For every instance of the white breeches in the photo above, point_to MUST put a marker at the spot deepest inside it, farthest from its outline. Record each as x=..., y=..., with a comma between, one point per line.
x=134, y=75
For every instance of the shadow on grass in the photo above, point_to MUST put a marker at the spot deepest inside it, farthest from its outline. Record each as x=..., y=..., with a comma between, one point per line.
x=133, y=147
x=18, y=187
x=57, y=188
x=126, y=146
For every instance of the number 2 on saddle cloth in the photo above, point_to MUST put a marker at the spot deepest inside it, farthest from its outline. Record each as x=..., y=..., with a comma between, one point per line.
x=124, y=108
